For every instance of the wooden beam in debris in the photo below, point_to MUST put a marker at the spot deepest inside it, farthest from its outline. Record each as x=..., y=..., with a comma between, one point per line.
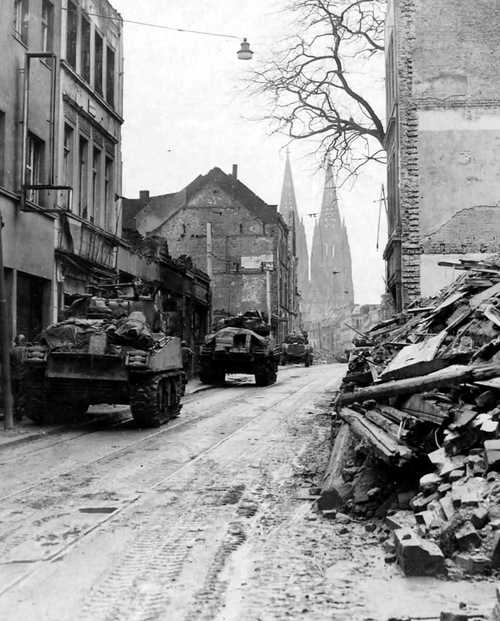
x=334, y=490
x=424, y=406
x=416, y=359
x=385, y=447
x=484, y=295
x=455, y=374
x=392, y=429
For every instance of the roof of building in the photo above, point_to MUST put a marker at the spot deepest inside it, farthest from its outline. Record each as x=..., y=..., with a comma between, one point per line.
x=159, y=209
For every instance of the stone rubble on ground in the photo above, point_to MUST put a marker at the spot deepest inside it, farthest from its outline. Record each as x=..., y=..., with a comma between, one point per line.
x=422, y=400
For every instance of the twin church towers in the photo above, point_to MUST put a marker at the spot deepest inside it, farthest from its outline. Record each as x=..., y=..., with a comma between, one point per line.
x=325, y=282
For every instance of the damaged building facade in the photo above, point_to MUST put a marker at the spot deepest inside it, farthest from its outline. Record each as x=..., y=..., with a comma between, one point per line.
x=443, y=135
x=61, y=106
x=233, y=235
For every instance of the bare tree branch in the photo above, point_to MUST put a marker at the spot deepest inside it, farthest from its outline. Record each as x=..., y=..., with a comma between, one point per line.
x=313, y=88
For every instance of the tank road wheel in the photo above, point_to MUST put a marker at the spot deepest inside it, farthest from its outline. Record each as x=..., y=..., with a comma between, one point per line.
x=155, y=399
x=266, y=375
x=147, y=401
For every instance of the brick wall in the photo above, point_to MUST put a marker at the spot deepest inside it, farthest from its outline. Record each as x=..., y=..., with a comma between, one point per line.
x=447, y=131
x=238, y=239
x=408, y=153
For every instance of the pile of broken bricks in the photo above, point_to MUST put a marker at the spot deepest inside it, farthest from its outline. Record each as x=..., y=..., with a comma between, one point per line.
x=417, y=430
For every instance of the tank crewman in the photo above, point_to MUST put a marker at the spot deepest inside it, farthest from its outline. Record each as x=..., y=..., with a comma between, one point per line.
x=17, y=360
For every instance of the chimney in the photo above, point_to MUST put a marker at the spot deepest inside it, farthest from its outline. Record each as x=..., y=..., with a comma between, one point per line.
x=144, y=195
x=235, y=171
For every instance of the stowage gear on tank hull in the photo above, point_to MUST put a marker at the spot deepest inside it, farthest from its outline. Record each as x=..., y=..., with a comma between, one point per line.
x=82, y=361
x=238, y=350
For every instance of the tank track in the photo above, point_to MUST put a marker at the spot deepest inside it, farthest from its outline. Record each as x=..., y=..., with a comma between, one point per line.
x=155, y=399
x=267, y=374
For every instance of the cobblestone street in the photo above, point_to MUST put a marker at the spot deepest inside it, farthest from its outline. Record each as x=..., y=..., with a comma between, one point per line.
x=209, y=517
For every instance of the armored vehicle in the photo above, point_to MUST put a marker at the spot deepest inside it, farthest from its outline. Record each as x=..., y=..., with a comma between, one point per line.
x=105, y=353
x=242, y=344
x=296, y=348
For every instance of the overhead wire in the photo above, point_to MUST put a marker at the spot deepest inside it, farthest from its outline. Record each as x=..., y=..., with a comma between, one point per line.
x=161, y=26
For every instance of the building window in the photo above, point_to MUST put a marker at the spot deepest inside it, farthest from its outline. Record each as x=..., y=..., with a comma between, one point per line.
x=96, y=184
x=2, y=148
x=68, y=154
x=83, y=161
x=71, y=34
x=34, y=166
x=47, y=26
x=108, y=192
x=110, y=76
x=85, y=50
x=98, y=52
x=21, y=19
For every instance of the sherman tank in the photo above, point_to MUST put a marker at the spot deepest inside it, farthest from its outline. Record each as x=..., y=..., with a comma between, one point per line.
x=241, y=344
x=105, y=351
x=296, y=348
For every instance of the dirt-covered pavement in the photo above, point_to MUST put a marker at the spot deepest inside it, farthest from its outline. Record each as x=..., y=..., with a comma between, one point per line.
x=209, y=517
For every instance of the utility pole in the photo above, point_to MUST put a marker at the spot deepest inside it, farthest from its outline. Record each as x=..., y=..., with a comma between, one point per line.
x=210, y=269
x=8, y=404
x=268, y=294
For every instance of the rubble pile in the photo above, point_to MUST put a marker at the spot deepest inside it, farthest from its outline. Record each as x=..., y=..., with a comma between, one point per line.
x=419, y=410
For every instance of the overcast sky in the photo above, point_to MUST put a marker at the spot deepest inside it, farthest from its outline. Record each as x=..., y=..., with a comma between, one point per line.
x=186, y=111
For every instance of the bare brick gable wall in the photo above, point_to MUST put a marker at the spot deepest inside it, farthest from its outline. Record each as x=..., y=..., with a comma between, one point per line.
x=447, y=135
x=408, y=156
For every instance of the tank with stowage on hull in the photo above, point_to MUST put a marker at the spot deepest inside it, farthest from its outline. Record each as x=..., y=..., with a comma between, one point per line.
x=241, y=344
x=296, y=348
x=105, y=352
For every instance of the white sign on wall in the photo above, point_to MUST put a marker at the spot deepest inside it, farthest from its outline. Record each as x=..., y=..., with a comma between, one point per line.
x=255, y=262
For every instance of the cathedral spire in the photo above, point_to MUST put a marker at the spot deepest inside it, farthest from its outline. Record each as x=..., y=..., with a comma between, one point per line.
x=288, y=203
x=297, y=236
x=331, y=271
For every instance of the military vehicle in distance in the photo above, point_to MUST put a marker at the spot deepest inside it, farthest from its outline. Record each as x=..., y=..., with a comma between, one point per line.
x=296, y=348
x=104, y=353
x=241, y=344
